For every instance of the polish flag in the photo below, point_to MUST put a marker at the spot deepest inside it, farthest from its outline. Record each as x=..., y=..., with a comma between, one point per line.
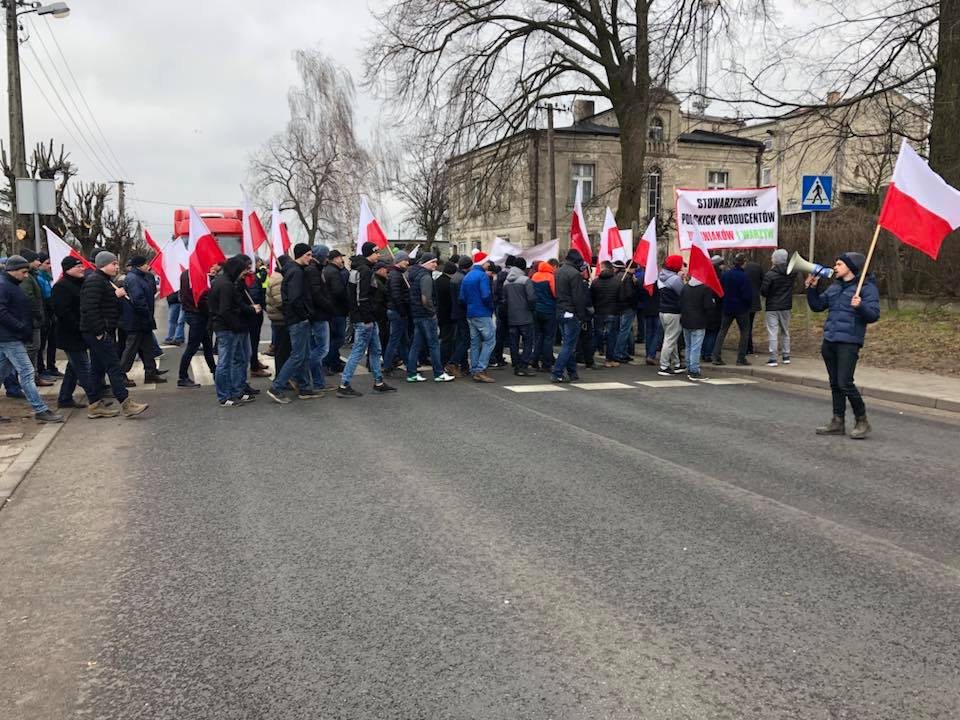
x=58, y=249
x=645, y=256
x=920, y=207
x=368, y=229
x=153, y=245
x=204, y=254
x=699, y=265
x=611, y=243
x=280, y=240
x=579, y=240
x=168, y=285
x=253, y=237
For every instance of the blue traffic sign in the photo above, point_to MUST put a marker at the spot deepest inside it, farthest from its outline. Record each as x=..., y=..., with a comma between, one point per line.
x=816, y=192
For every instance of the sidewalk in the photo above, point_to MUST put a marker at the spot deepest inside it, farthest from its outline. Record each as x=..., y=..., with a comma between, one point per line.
x=932, y=391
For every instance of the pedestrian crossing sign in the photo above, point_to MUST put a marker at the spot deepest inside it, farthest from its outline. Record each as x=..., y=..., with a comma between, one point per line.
x=817, y=192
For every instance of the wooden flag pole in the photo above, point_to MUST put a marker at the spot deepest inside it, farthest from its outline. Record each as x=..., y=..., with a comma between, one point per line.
x=863, y=271
x=626, y=269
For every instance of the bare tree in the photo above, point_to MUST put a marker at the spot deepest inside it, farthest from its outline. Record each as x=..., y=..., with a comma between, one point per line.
x=45, y=163
x=83, y=214
x=486, y=65
x=316, y=166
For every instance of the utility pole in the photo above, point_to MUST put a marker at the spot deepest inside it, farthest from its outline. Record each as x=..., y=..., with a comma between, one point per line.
x=552, y=169
x=18, y=151
x=121, y=195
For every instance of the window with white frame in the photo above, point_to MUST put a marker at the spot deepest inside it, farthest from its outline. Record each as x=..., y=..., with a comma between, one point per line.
x=765, y=177
x=655, y=129
x=654, y=192
x=581, y=173
x=718, y=180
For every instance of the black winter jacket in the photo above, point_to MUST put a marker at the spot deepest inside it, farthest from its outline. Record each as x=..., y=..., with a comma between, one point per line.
x=458, y=310
x=297, y=298
x=696, y=305
x=186, y=297
x=605, y=292
x=777, y=288
x=422, y=286
x=99, y=304
x=755, y=273
x=319, y=293
x=65, y=300
x=360, y=290
x=137, y=315
x=398, y=291
x=16, y=315
x=444, y=299
x=229, y=308
x=571, y=295
x=337, y=289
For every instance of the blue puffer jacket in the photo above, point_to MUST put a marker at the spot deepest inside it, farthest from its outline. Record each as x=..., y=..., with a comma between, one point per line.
x=138, y=312
x=16, y=318
x=737, y=291
x=846, y=324
x=476, y=294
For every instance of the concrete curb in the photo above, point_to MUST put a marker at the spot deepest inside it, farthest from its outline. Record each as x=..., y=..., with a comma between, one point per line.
x=18, y=469
x=881, y=393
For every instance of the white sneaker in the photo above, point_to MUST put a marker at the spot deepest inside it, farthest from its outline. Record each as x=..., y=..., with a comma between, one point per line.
x=416, y=378
x=444, y=378
x=772, y=362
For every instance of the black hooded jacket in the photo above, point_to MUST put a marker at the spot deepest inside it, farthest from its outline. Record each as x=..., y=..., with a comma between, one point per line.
x=99, y=304
x=319, y=292
x=296, y=294
x=229, y=309
x=360, y=290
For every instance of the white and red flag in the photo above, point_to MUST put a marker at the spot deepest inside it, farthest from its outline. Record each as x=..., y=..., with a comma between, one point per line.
x=579, y=239
x=279, y=239
x=169, y=281
x=611, y=243
x=204, y=254
x=253, y=237
x=699, y=265
x=645, y=256
x=149, y=240
x=58, y=249
x=920, y=207
x=368, y=229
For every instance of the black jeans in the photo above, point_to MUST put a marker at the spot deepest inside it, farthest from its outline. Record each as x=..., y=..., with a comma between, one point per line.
x=525, y=334
x=199, y=334
x=841, y=361
x=105, y=359
x=255, y=327
x=743, y=325
x=503, y=335
x=448, y=335
x=139, y=343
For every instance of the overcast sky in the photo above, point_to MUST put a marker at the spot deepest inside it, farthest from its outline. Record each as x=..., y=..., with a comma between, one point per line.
x=184, y=90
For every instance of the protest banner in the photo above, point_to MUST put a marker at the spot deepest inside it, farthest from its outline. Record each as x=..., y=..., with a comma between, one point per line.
x=740, y=218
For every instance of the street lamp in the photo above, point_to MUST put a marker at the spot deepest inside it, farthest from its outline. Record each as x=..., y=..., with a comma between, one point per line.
x=18, y=151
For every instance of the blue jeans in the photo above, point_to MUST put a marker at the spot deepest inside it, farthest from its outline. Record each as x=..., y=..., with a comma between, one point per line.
x=623, y=347
x=518, y=333
x=105, y=359
x=606, y=329
x=399, y=344
x=338, y=333
x=483, y=336
x=567, y=358
x=425, y=331
x=230, y=355
x=366, y=337
x=319, y=347
x=709, y=340
x=545, y=325
x=693, y=339
x=175, y=320
x=14, y=357
x=78, y=371
x=652, y=335
x=297, y=364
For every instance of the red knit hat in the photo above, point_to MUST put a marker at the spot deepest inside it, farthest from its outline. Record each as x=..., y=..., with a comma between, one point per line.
x=478, y=257
x=674, y=263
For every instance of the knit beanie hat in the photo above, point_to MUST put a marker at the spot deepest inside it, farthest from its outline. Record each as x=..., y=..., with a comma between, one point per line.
x=70, y=262
x=574, y=256
x=320, y=252
x=42, y=257
x=465, y=263
x=300, y=249
x=716, y=260
x=138, y=260
x=104, y=258
x=368, y=249
x=780, y=256
x=853, y=260
x=28, y=254
x=427, y=257
x=674, y=263
x=400, y=256
x=16, y=262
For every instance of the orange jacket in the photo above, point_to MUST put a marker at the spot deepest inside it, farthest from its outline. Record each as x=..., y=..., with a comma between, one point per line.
x=545, y=272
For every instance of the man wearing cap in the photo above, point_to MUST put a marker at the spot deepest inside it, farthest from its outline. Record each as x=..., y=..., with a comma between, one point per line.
x=322, y=316
x=476, y=294
x=298, y=314
x=137, y=319
x=366, y=336
x=572, y=311
x=843, y=334
x=398, y=312
x=16, y=327
x=670, y=287
x=31, y=288
x=737, y=301
x=65, y=306
x=423, y=309
x=777, y=289
x=99, y=316
x=333, y=276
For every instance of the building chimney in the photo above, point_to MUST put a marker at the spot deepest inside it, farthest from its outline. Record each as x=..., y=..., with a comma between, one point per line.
x=834, y=97
x=582, y=109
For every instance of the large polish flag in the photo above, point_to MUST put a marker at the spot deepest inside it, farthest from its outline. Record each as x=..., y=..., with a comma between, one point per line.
x=253, y=236
x=699, y=265
x=279, y=239
x=204, y=254
x=579, y=239
x=920, y=207
x=368, y=229
x=645, y=256
x=58, y=249
x=169, y=282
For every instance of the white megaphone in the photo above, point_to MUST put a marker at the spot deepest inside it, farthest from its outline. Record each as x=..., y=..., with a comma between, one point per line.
x=798, y=264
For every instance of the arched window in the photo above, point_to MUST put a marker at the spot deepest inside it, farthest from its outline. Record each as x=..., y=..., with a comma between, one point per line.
x=655, y=130
x=654, y=192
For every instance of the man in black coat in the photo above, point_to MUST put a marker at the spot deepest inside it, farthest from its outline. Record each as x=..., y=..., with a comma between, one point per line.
x=337, y=288
x=696, y=305
x=755, y=273
x=777, y=288
x=298, y=314
x=323, y=315
x=572, y=309
x=137, y=319
x=99, y=316
x=398, y=312
x=197, y=318
x=65, y=307
x=230, y=316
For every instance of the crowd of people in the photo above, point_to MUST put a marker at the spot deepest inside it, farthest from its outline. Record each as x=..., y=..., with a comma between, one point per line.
x=459, y=318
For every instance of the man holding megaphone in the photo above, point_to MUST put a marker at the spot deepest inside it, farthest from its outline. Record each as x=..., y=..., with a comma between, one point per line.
x=849, y=313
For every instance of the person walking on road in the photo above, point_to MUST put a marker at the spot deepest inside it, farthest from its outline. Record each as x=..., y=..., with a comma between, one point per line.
x=65, y=307
x=100, y=309
x=520, y=298
x=196, y=315
x=230, y=318
x=848, y=315
x=777, y=289
x=298, y=314
x=322, y=317
x=16, y=329
x=423, y=309
x=737, y=301
x=137, y=319
x=337, y=286
x=398, y=313
x=572, y=311
x=670, y=285
x=476, y=294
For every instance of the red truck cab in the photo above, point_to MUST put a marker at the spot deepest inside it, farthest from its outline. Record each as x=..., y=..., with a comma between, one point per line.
x=225, y=224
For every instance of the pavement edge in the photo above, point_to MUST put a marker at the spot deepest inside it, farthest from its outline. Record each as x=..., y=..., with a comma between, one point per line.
x=14, y=475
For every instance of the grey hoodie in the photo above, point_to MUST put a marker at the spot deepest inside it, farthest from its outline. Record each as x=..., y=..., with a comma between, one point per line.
x=670, y=286
x=520, y=297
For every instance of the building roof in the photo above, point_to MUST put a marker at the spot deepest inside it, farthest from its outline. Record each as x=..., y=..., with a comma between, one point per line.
x=589, y=128
x=705, y=137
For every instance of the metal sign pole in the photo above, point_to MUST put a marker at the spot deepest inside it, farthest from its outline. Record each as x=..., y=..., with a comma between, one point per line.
x=36, y=215
x=813, y=236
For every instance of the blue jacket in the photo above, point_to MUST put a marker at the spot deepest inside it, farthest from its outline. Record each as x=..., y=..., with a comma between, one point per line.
x=846, y=324
x=16, y=316
x=737, y=291
x=138, y=312
x=476, y=294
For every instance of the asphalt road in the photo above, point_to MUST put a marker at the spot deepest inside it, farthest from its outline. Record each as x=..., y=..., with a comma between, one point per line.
x=464, y=551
